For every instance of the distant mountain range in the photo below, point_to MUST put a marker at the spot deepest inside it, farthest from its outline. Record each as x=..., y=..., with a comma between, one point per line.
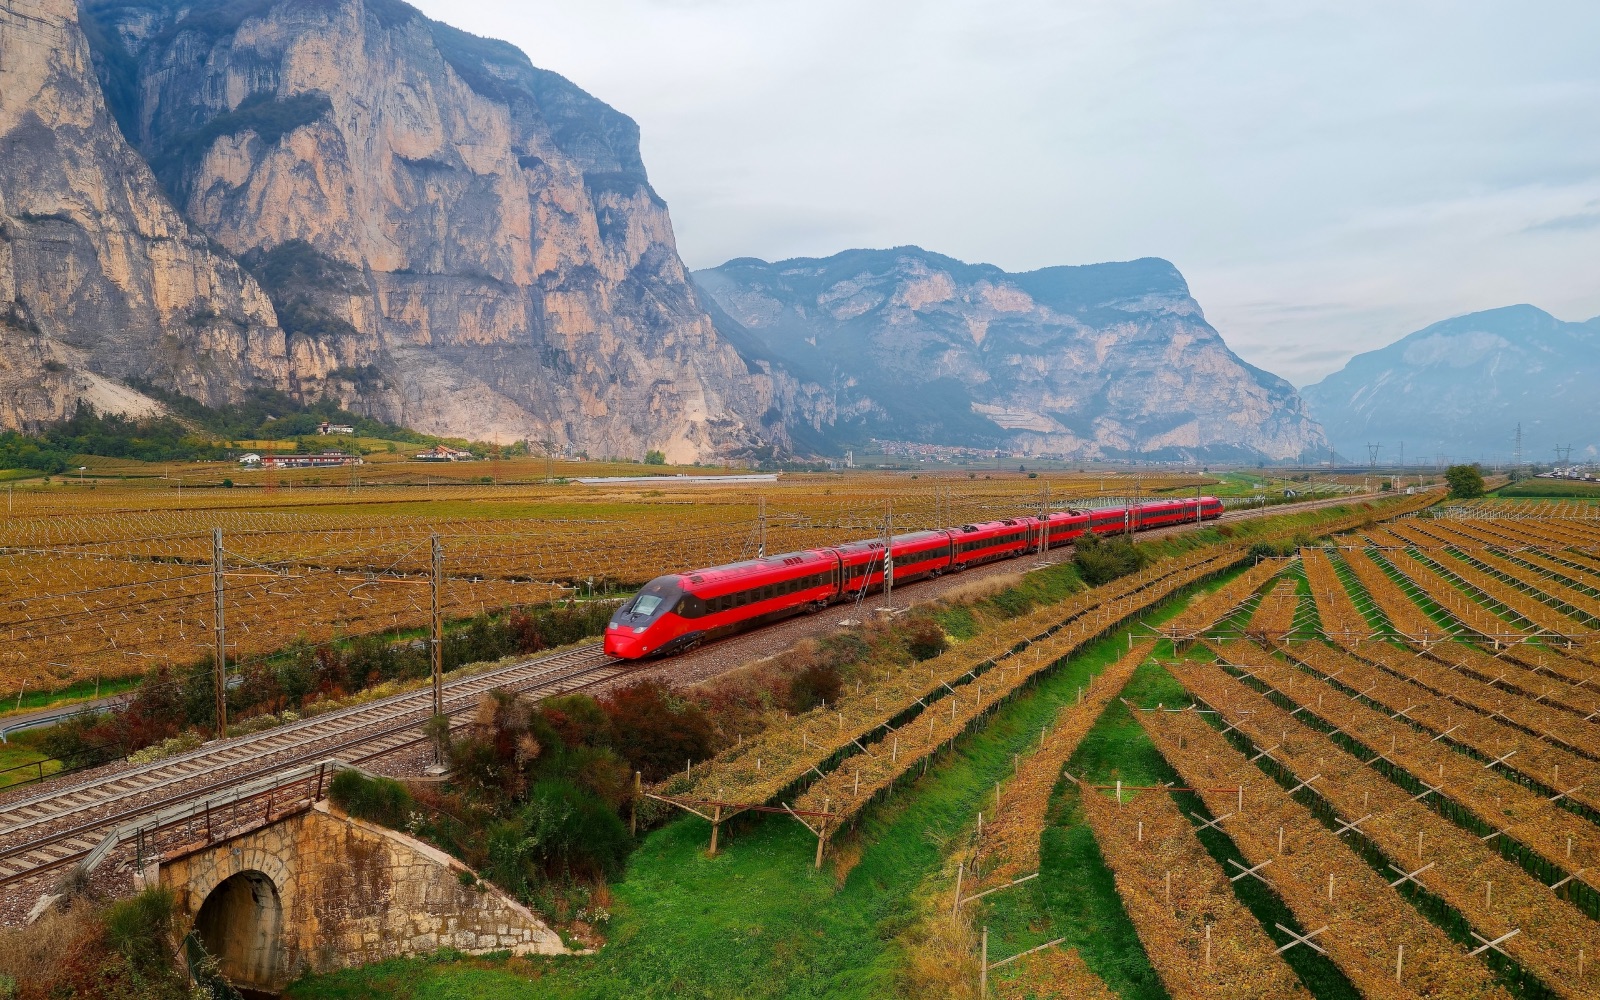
x=1460, y=387
x=347, y=200
x=1098, y=361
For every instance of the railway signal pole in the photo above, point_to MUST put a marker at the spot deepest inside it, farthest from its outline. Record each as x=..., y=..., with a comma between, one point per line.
x=221, y=653
x=437, y=641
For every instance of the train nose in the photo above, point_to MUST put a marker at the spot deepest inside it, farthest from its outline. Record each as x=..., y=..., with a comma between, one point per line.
x=622, y=642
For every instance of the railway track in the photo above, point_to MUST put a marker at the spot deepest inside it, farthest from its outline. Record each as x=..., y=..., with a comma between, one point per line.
x=59, y=826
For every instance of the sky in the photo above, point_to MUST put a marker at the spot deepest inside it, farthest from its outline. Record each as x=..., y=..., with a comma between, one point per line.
x=1328, y=176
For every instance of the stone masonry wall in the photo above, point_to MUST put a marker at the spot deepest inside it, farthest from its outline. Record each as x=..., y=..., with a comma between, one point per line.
x=351, y=892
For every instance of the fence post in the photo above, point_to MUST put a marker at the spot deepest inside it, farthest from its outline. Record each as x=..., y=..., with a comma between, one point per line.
x=983, y=964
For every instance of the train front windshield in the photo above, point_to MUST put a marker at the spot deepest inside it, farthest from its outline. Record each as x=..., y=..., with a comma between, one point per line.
x=653, y=600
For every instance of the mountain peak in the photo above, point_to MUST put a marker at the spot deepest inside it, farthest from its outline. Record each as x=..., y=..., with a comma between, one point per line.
x=1460, y=386
x=912, y=345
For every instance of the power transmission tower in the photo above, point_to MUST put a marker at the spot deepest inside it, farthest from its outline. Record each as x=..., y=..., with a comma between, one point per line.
x=1563, y=455
x=1516, y=459
x=1372, y=456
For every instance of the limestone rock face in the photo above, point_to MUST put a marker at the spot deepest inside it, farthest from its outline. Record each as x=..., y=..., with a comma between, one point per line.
x=427, y=202
x=100, y=279
x=1101, y=361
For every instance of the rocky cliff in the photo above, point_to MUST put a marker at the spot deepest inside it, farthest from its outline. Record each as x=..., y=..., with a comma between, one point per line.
x=1460, y=387
x=1100, y=361
x=100, y=279
x=430, y=228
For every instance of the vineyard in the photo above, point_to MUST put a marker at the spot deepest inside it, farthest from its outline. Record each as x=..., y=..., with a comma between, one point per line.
x=117, y=579
x=1397, y=735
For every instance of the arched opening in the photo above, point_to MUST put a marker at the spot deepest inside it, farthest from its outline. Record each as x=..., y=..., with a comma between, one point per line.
x=239, y=924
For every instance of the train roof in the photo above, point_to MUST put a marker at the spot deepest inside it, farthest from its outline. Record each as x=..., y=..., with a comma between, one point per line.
x=780, y=566
x=876, y=544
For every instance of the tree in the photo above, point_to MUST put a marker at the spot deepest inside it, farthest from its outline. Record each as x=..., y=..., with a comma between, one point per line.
x=1466, y=481
x=654, y=457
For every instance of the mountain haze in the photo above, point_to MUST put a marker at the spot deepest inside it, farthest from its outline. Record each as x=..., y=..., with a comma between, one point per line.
x=1460, y=387
x=1097, y=361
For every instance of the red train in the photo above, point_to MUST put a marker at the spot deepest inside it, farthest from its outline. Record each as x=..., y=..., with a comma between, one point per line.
x=681, y=610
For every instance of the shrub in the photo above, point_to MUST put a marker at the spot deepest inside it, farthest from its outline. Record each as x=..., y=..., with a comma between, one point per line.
x=1101, y=560
x=924, y=638
x=578, y=720
x=139, y=927
x=571, y=831
x=378, y=800
x=814, y=684
x=656, y=732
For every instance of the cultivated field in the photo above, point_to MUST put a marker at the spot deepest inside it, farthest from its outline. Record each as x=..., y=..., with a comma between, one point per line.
x=114, y=577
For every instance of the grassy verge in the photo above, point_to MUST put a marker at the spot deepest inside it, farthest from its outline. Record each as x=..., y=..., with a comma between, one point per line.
x=71, y=694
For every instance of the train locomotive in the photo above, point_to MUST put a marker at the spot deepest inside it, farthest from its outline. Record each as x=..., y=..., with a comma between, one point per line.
x=677, y=612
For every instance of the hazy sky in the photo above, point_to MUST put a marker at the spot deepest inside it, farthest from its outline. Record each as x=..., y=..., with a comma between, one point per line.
x=1329, y=176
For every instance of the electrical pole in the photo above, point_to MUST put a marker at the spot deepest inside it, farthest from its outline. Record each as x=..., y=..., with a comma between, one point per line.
x=437, y=642
x=221, y=653
x=1044, y=520
x=761, y=549
x=888, y=554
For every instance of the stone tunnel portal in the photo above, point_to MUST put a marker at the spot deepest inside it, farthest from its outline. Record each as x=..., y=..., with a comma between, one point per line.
x=239, y=923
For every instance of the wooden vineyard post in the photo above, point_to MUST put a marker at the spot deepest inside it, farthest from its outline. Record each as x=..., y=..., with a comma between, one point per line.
x=983, y=964
x=1399, y=962
x=716, y=825
x=638, y=790
x=221, y=653
x=955, y=907
x=822, y=833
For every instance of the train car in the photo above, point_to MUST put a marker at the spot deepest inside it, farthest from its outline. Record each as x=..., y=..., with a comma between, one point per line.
x=676, y=612
x=976, y=544
x=1063, y=526
x=917, y=556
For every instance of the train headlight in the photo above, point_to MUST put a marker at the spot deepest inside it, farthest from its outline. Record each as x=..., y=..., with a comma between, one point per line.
x=638, y=630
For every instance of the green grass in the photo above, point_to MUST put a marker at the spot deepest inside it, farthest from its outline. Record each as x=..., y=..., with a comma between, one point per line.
x=17, y=755
x=75, y=692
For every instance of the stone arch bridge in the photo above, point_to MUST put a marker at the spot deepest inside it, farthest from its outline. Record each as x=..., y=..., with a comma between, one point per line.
x=318, y=890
